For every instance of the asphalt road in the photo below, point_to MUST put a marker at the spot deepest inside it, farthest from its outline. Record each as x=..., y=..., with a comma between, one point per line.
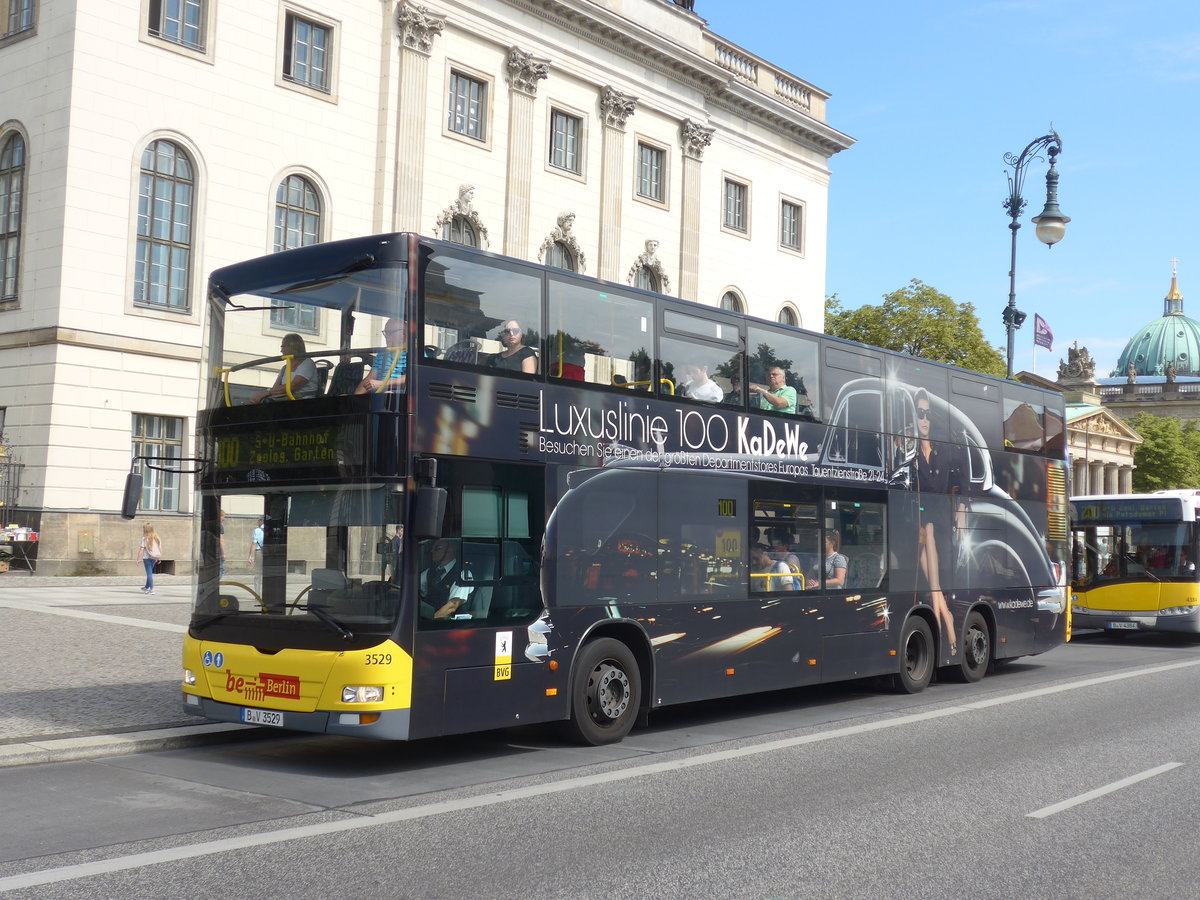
x=1074, y=774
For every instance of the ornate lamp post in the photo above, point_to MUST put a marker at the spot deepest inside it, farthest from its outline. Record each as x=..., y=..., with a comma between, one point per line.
x=1051, y=223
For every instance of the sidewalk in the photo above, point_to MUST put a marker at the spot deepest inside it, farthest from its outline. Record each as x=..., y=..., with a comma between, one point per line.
x=91, y=668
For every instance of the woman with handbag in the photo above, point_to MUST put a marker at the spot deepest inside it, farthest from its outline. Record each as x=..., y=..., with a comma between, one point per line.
x=149, y=554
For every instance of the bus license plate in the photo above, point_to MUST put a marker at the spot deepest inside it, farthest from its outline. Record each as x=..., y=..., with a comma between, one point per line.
x=262, y=717
x=1132, y=626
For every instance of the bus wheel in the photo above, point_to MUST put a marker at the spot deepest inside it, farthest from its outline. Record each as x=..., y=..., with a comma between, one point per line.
x=916, y=657
x=976, y=649
x=606, y=694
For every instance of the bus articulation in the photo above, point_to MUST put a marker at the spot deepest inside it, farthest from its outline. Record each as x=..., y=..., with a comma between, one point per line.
x=459, y=544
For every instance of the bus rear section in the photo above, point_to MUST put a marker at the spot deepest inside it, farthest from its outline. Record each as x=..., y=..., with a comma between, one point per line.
x=1133, y=563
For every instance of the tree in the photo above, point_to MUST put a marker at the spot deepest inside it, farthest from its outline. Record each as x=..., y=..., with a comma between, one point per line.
x=1169, y=457
x=920, y=321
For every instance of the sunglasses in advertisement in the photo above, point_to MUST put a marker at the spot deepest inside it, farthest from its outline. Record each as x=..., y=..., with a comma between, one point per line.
x=923, y=413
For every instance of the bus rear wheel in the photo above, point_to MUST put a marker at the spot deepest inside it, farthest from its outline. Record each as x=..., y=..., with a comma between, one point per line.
x=606, y=693
x=976, y=649
x=916, y=657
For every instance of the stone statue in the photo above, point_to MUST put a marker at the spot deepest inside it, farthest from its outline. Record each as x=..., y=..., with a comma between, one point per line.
x=466, y=199
x=1172, y=372
x=1131, y=373
x=1079, y=367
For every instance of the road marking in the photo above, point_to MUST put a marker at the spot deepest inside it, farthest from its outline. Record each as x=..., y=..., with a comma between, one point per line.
x=1048, y=811
x=95, y=617
x=209, y=848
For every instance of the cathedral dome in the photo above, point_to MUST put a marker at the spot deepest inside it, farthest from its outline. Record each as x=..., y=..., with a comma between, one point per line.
x=1172, y=339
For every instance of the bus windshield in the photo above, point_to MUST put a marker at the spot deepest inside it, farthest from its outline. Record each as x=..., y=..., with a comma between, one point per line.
x=325, y=563
x=278, y=333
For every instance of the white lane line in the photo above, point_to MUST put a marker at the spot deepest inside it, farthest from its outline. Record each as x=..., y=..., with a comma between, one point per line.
x=208, y=848
x=1047, y=811
x=95, y=617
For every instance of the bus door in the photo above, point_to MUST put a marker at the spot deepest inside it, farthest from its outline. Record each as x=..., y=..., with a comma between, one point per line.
x=476, y=594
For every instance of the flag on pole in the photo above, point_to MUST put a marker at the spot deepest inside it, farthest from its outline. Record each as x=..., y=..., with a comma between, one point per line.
x=1042, y=335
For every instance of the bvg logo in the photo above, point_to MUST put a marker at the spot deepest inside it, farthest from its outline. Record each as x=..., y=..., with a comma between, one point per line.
x=266, y=685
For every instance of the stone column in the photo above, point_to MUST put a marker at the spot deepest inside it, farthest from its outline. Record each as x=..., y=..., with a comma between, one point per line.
x=1110, y=478
x=1079, y=482
x=416, y=27
x=694, y=139
x=1096, y=478
x=524, y=72
x=615, y=110
x=1125, y=480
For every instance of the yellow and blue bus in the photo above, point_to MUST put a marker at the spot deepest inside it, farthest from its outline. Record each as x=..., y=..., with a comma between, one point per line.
x=495, y=493
x=1134, y=562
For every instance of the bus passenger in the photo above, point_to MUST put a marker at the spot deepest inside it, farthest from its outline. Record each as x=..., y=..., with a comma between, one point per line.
x=515, y=357
x=733, y=397
x=304, y=373
x=777, y=394
x=835, y=562
x=387, y=372
x=769, y=574
x=442, y=589
x=698, y=386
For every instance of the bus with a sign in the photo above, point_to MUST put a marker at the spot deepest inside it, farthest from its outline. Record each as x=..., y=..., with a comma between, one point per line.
x=1133, y=562
x=496, y=493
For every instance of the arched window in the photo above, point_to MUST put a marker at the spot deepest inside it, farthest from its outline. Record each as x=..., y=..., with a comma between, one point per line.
x=297, y=214
x=646, y=279
x=164, y=227
x=787, y=316
x=559, y=256
x=732, y=302
x=12, y=187
x=459, y=230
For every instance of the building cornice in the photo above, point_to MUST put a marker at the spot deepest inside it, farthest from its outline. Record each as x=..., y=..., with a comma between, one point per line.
x=95, y=340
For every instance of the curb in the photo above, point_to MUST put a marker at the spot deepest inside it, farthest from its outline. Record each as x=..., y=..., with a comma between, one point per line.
x=52, y=750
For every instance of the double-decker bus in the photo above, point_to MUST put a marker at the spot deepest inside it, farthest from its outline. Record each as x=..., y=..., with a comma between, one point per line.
x=1133, y=562
x=494, y=493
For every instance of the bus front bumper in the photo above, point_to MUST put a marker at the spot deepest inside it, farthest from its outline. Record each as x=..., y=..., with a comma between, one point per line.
x=1185, y=620
x=391, y=724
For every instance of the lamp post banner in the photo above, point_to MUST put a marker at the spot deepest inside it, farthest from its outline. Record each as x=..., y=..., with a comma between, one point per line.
x=1042, y=335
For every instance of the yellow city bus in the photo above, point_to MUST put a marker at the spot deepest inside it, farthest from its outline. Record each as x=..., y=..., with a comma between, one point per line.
x=1133, y=562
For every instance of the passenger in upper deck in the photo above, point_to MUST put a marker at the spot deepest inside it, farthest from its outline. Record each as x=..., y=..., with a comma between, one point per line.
x=304, y=373
x=515, y=357
x=698, y=386
x=777, y=394
x=387, y=374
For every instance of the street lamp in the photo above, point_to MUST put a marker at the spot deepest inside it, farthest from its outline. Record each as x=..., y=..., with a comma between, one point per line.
x=1051, y=223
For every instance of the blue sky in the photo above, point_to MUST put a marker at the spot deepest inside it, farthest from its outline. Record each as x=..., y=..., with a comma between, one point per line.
x=936, y=93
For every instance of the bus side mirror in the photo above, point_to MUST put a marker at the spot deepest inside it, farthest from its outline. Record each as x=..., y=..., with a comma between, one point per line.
x=430, y=512
x=133, y=495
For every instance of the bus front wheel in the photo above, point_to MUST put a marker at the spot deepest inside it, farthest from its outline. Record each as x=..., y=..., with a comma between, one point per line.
x=606, y=693
x=916, y=657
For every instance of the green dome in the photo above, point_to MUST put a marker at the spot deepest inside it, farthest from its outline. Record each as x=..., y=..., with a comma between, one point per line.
x=1174, y=338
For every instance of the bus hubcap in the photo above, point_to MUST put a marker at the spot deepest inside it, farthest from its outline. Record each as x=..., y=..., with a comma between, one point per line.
x=610, y=692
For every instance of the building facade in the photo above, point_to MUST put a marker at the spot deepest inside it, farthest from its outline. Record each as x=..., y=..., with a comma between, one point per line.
x=144, y=143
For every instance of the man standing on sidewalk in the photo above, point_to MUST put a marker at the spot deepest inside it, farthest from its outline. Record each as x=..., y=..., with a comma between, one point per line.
x=256, y=545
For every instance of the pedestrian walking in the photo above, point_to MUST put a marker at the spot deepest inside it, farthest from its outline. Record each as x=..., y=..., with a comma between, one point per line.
x=149, y=553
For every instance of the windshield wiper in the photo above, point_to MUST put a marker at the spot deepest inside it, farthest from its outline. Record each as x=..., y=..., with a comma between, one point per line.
x=326, y=618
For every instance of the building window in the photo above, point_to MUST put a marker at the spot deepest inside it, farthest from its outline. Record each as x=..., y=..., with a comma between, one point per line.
x=307, y=47
x=297, y=224
x=787, y=316
x=164, y=227
x=565, y=130
x=162, y=437
x=459, y=230
x=559, y=256
x=737, y=199
x=732, y=302
x=791, y=225
x=650, y=182
x=467, y=113
x=12, y=185
x=20, y=16
x=179, y=21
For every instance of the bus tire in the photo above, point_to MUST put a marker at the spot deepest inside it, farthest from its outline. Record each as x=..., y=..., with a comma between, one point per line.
x=976, y=649
x=606, y=693
x=916, y=657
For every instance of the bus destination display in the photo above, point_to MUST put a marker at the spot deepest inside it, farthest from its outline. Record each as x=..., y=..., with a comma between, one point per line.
x=289, y=452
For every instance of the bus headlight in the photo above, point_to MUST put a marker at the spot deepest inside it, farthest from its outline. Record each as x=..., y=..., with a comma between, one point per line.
x=362, y=694
x=1177, y=611
x=1052, y=600
x=189, y=677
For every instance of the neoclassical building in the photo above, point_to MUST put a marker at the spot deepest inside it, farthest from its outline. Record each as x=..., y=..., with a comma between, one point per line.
x=144, y=143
